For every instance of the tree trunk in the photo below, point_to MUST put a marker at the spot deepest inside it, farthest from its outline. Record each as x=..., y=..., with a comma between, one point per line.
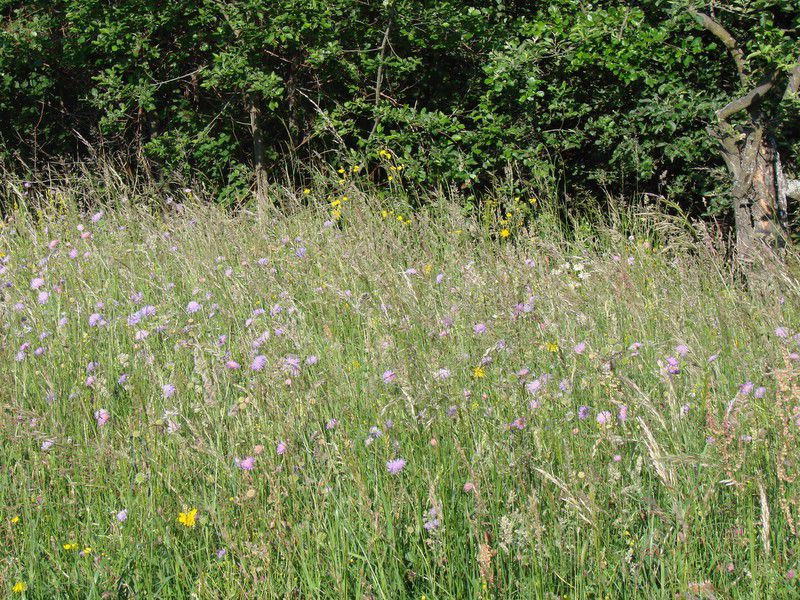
x=758, y=193
x=259, y=170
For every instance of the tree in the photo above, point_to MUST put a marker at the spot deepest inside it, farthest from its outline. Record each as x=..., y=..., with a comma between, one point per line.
x=768, y=72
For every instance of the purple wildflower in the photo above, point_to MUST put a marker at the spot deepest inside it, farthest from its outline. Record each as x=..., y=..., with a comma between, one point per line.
x=259, y=362
x=604, y=418
x=389, y=376
x=101, y=416
x=583, y=412
x=246, y=464
x=396, y=465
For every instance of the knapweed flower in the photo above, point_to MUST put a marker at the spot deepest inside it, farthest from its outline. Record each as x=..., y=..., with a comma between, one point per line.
x=469, y=487
x=188, y=518
x=102, y=417
x=396, y=465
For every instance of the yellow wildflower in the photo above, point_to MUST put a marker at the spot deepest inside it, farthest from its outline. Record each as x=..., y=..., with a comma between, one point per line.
x=504, y=233
x=187, y=519
x=15, y=519
x=306, y=191
x=70, y=546
x=479, y=372
x=552, y=347
x=19, y=587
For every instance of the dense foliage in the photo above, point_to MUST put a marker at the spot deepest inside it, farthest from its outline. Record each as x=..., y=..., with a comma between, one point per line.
x=613, y=95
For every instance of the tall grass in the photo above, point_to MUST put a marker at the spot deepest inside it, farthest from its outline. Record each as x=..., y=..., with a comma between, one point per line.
x=604, y=414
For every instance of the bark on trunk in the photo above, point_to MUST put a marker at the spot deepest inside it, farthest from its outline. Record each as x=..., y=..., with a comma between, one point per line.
x=758, y=191
x=259, y=171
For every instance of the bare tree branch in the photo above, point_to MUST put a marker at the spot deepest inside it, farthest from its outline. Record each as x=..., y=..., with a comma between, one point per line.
x=749, y=99
x=715, y=27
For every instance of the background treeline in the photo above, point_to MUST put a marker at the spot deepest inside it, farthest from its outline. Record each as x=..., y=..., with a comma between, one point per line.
x=609, y=96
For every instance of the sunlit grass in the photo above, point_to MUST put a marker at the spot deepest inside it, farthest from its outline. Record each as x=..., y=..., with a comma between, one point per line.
x=353, y=405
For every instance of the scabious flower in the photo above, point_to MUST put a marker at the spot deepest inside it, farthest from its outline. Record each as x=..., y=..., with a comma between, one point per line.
x=36, y=283
x=479, y=328
x=259, y=362
x=246, y=464
x=312, y=360
x=760, y=391
x=583, y=412
x=169, y=390
x=781, y=332
x=469, y=487
x=102, y=416
x=389, y=376
x=681, y=350
x=746, y=388
x=281, y=448
x=291, y=365
x=441, y=374
x=43, y=297
x=122, y=516
x=232, y=365
x=396, y=465
x=622, y=415
x=604, y=418
x=580, y=348
x=47, y=444
x=672, y=366
x=96, y=320
x=193, y=307
x=331, y=424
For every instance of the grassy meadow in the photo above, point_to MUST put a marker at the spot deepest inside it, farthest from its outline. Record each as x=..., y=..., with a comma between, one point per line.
x=349, y=399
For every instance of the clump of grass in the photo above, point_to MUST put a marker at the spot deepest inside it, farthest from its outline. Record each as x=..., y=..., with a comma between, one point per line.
x=334, y=402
